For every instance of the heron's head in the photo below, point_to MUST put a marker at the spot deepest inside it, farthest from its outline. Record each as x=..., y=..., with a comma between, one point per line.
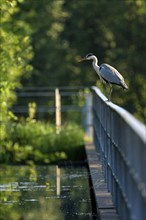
x=89, y=56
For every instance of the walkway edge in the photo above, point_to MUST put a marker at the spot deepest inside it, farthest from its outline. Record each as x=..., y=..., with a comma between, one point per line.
x=103, y=197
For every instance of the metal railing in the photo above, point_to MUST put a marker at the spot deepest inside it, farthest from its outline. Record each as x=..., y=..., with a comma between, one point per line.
x=121, y=141
x=75, y=104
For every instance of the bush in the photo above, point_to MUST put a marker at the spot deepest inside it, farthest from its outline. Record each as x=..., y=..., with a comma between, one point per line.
x=37, y=141
x=15, y=54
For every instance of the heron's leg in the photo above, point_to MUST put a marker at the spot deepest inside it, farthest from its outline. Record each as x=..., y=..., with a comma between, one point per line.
x=111, y=89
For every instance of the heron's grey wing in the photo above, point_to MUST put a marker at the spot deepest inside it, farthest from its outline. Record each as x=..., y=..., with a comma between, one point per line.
x=110, y=74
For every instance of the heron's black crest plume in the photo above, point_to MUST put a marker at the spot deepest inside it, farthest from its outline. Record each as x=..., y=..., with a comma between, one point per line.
x=89, y=54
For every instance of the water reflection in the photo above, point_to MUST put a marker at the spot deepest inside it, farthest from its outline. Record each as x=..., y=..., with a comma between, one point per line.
x=44, y=193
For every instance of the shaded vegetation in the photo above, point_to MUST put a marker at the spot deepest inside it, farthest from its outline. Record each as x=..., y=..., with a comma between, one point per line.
x=41, y=42
x=62, y=31
x=30, y=141
x=15, y=54
x=38, y=142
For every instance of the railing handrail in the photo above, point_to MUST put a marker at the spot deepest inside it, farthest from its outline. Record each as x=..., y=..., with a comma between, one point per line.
x=120, y=140
x=134, y=123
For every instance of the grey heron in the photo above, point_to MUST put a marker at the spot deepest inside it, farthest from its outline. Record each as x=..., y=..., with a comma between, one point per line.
x=106, y=73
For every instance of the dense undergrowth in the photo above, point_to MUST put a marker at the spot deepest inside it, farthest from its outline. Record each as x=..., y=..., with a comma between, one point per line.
x=29, y=140
x=38, y=142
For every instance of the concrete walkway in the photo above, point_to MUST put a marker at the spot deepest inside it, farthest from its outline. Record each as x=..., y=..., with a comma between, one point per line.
x=104, y=204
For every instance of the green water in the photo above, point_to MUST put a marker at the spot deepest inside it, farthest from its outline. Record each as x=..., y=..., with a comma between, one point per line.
x=44, y=193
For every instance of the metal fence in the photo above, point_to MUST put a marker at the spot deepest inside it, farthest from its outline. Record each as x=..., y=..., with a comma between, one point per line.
x=121, y=141
x=75, y=104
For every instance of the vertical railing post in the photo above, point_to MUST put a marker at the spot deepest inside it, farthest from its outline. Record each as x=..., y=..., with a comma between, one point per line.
x=58, y=110
x=88, y=116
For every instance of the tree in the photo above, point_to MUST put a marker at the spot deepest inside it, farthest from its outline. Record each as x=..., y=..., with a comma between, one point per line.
x=63, y=30
x=46, y=19
x=15, y=52
x=116, y=34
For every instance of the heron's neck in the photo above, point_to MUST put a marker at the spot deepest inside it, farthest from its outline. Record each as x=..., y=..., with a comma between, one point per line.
x=95, y=64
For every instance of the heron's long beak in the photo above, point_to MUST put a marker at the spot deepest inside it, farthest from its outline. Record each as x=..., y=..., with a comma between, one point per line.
x=81, y=60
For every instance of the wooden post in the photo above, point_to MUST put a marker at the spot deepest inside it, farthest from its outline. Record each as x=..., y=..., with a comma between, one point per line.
x=58, y=110
x=57, y=181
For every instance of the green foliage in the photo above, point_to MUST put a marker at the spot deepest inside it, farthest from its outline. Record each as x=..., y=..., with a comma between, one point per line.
x=15, y=53
x=70, y=29
x=47, y=38
x=115, y=33
x=38, y=141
